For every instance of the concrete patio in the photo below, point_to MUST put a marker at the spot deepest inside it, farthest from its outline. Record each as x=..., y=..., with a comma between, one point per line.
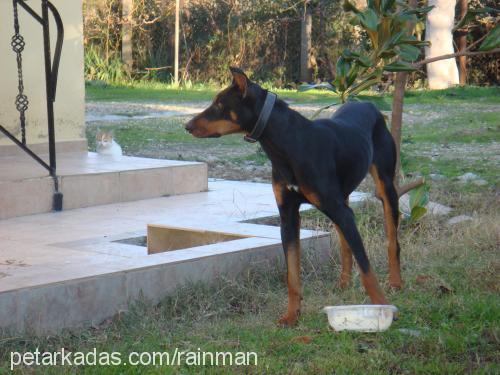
x=62, y=270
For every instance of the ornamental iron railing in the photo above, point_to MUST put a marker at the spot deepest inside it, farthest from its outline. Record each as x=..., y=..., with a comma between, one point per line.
x=51, y=70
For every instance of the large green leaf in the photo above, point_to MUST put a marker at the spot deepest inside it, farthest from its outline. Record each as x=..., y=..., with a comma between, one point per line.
x=341, y=70
x=363, y=85
x=417, y=213
x=410, y=39
x=350, y=55
x=397, y=37
x=408, y=52
x=364, y=61
x=343, y=67
x=419, y=197
x=492, y=40
x=369, y=19
x=360, y=59
x=352, y=75
x=399, y=66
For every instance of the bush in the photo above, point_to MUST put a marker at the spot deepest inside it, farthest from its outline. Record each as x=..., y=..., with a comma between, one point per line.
x=98, y=68
x=261, y=36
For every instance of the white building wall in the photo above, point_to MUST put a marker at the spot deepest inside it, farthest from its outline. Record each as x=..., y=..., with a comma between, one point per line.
x=69, y=107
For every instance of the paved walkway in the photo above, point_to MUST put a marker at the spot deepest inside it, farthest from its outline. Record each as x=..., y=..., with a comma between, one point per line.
x=65, y=269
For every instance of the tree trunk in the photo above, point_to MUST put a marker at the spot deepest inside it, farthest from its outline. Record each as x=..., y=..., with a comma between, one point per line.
x=322, y=28
x=176, y=42
x=397, y=119
x=127, y=56
x=440, y=21
x=306, y=45
x=462, y=44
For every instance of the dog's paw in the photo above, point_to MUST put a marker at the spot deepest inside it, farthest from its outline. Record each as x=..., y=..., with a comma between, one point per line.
x=288, y=320
x=396, y=284
x=343, y=282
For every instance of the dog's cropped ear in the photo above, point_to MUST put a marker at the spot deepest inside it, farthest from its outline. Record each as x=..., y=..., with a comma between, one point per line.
x=240, y=80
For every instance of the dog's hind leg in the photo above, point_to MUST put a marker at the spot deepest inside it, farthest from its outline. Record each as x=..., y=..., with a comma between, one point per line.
x=383, y=171
x=346, y=258
x=343, y=217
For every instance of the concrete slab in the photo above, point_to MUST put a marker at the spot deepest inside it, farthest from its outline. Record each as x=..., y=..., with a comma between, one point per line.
x=63, y=270
x=89, y=179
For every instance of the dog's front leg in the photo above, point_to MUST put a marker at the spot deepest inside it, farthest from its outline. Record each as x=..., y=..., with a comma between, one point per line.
x=288, y=204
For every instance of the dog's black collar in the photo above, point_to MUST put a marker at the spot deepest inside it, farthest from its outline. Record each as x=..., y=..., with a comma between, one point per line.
x=261, y=123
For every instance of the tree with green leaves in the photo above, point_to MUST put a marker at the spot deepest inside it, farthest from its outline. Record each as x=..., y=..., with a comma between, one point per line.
x=394, y=44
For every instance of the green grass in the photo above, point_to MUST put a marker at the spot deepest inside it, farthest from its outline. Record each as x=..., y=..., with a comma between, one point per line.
x=466, y=94
x=480, y=125
x=452, y=168
x=258, y=157
x=159, y=92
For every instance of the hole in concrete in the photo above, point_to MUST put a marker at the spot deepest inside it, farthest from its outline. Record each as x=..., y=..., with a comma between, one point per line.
x=309, y=219
x=136, y=241
x=162, y=238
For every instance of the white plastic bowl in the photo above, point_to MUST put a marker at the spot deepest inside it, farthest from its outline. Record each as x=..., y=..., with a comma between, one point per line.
x=363, y=318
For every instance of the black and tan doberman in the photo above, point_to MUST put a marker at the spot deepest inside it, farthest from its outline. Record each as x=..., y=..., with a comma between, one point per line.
x=318, y=162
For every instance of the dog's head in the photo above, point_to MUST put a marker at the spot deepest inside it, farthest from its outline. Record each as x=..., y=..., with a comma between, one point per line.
x=232, y=111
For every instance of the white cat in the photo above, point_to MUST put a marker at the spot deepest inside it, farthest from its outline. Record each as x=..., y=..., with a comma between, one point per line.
x=107, y=146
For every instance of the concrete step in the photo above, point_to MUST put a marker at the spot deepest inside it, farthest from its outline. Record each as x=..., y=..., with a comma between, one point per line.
x=89, y=179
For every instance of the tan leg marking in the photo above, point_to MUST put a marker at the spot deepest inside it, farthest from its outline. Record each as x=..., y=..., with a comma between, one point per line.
x=311, y=196
x=294, y=287
x=372, y=288
x=278, y=193
x=391, y=231
x=346, y=258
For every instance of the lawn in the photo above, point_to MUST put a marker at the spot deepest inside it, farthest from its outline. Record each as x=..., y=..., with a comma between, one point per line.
x=449, y=307
x=448, y=132
x=151, y=92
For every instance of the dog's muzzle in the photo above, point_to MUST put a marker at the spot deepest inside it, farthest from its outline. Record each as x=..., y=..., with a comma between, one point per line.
x=190, y=127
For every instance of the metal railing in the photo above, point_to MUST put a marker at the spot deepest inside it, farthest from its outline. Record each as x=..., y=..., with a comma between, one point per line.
x=51, y=72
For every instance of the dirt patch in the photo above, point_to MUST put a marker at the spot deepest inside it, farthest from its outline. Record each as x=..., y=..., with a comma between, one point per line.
x=111, y=111
x=101, y=110
x=226, y=162
x=484, y=152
